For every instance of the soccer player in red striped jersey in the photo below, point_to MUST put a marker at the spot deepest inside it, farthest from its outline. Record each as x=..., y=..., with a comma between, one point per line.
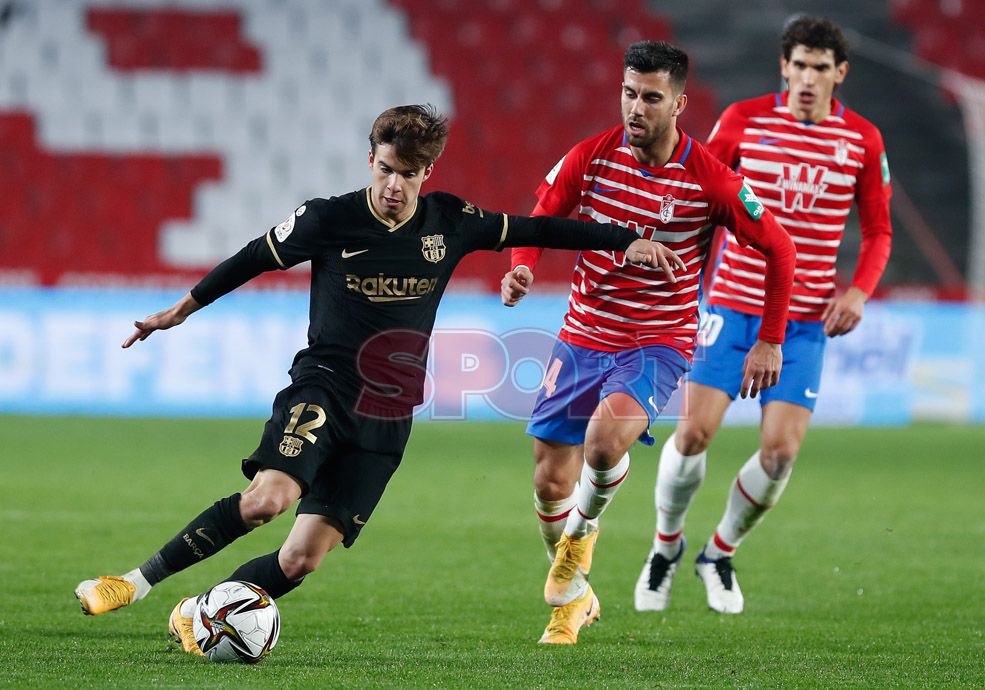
x=629, y=333
x=809, y=158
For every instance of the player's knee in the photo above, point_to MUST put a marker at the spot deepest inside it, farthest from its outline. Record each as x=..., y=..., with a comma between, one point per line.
x=555, y=472
x=260, y=507
x=604, y=453
x=777, y=459
x=692, y=438
x=551, y=484
x=297, y=563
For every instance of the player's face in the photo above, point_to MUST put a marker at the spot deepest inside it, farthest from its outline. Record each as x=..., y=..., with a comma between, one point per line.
x=396, y=185
x=649, y=107
x=812, y=76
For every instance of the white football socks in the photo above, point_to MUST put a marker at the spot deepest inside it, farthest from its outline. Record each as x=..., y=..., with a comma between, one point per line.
x=753, y=493
x=137, y=579
x=551, y=516
x=595, y=489
x=678, y=479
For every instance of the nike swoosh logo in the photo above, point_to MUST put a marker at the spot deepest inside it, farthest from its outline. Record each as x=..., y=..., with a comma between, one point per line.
x=356, y=520
x=653, y=404
x=201, y=532
x=605, y=190
x=346, y=254
x=808, y=393
x=768, y=140
x=322, y=366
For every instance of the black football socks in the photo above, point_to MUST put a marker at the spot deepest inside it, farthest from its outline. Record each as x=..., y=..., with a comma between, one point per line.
x=266, y=573
x=217, y=527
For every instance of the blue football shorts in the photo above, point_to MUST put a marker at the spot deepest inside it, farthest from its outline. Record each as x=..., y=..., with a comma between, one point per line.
x=577, y=379
x=725, y=336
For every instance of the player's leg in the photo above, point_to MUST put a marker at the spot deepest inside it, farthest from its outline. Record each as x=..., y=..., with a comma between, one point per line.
x=280, y=470
x=680, y=472
x=277, y=573
x=342, y=497
x=618, y=422
x=756, y=488
x=724, y=339
x=269, y=494
x=637, y=386
x=557, y=467
x=565, y=403
x=787, y=410
x=762, y=479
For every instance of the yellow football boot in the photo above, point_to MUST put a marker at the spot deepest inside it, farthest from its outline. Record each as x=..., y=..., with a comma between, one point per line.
x=567, y=620
x=567, y=579
x=182, y=631
x=106, y=593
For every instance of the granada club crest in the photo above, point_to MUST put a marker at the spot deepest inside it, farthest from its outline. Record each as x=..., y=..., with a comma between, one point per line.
x=841, y=151
x=667, y=208
x=433, y=248
x=291, y=446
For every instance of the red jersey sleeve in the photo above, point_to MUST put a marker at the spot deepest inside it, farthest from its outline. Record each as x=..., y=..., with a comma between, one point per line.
x=733, y=204
x=557, y=195
x=872, y=194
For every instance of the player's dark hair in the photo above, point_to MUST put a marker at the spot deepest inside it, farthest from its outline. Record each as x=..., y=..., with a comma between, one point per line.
x=417, y=133
x=658, y=56
x=817, y=33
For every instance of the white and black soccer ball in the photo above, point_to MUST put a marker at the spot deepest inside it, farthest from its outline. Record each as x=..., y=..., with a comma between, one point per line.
x=236, y=621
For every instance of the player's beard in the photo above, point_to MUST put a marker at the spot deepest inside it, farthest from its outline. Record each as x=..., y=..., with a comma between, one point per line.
x=648, y=138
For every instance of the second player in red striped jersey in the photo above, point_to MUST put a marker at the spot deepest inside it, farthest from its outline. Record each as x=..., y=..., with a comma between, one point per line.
x=808, y=174
x=808, y=158
x=629, y=332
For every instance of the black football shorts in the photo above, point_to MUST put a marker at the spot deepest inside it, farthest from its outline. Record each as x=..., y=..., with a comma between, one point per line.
x=343, y=459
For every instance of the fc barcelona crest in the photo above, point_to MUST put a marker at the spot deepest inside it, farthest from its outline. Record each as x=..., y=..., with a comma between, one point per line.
x=433, y=248
x=667, y=208
x=291, y=446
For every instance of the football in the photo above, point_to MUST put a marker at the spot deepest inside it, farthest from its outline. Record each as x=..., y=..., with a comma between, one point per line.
x=236, y=621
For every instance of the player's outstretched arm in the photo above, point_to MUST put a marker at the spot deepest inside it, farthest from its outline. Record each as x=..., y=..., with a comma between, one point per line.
x=163, y=320
x=515, y=285
x=761, y=368
x=249, y=262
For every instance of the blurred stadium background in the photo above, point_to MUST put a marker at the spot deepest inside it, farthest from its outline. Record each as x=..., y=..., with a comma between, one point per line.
x=141, y=142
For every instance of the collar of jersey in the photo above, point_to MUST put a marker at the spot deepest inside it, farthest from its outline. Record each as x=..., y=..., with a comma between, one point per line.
x=390, y=225
x=677, y=158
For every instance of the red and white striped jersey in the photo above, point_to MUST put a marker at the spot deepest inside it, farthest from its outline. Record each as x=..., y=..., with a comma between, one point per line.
x=808, y=174
x=615, y=306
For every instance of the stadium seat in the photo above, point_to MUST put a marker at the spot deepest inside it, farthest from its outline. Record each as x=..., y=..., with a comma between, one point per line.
x=188, y=127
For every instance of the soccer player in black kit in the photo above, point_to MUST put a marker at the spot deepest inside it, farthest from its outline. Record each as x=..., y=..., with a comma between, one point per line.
x=381, y=258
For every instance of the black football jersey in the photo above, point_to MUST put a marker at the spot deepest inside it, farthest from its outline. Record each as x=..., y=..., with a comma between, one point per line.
x=376, y=285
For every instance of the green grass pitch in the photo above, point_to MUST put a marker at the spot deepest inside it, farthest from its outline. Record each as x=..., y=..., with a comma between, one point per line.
x=868, y=574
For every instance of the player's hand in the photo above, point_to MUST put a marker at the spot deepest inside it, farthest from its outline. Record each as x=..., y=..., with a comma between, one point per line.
x=163, y=320
x=656, y=255
x=761, y=368
x=844, y=313
x=515, y=285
